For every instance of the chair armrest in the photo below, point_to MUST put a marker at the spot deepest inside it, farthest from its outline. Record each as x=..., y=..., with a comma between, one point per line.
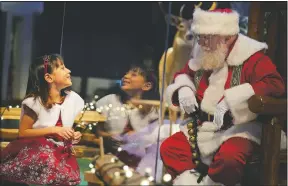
x=267, y=105
x=271, y=133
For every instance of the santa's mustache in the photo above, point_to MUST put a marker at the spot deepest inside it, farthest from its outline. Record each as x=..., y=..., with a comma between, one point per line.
x=210, y=60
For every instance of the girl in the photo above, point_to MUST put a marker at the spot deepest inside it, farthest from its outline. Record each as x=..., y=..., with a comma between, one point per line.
x=42, y=154
x=124, y=118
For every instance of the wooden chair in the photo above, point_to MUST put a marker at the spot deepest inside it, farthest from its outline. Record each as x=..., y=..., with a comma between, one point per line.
x=81, y=150
x=274, y=117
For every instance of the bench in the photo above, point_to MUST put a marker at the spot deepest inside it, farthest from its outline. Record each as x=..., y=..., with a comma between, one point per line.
x=81, y=150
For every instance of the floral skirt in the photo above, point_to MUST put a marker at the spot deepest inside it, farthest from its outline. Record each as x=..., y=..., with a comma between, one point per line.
x=39, y=161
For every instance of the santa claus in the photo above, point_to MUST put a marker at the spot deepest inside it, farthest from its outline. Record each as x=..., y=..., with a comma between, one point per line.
x=227, y=68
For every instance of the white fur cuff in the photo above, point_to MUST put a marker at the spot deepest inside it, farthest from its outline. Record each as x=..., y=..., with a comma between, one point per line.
x=182, y=80
x=236, y=99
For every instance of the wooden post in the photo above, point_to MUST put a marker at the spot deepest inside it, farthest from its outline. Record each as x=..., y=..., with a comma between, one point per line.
x=256, y=21
x=101, y=145
x=270, y=153
x=272, y=36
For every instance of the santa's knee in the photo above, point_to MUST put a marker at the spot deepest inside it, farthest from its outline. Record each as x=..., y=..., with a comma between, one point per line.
x=227, y=168
x=165, y=149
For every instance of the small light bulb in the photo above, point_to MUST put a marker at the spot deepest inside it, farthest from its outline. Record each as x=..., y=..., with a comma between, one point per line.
x=96, y=96
x=93, y=170
x=110, y=105
x=17, y=106
x=10, y=106
x=119, y=149
x=148, y=170
x=94, y=124
x=91, y=165
x=151, y=178
x=112, y=160
x=144, y=183
x=167, y=177
x=92, y=107
x=2, y=118
x=116, y=174
x=129, y=174
x=91, y=103
x=125, y=168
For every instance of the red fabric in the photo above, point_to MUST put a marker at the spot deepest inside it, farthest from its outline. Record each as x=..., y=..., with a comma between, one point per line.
x=59, y=122
x=222, y=10
x=263, y=76
x=38, y=161
x=229, y=161
x=227, y=166
x=128, y=128
x=176, y=154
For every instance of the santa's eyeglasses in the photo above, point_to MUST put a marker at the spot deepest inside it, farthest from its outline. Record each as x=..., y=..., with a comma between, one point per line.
x=210, y=41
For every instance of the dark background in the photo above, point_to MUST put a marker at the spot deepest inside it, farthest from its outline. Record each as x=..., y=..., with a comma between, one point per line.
x=102, y=39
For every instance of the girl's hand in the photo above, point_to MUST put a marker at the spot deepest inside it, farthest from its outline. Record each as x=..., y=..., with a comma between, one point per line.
x=65, y=132
x=77, y=137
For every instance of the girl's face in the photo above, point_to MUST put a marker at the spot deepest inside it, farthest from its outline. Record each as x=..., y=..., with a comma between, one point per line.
x=134, y=81
x=60, y=76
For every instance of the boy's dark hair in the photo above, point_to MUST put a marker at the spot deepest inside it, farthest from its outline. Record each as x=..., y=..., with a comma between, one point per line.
x=37, y=86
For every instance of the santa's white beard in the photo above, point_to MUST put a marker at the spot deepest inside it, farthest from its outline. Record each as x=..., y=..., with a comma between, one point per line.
x=211, y=60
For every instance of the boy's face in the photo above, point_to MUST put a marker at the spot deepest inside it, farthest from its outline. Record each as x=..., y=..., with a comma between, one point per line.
x=134, y=81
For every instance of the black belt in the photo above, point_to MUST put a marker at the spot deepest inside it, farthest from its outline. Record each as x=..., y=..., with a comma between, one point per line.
x=203, y=116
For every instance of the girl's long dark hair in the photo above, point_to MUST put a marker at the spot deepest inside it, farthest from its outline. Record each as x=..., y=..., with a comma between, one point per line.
x=37, y=86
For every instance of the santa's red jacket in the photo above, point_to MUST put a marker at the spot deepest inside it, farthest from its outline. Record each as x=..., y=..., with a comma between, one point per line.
x=248, y=71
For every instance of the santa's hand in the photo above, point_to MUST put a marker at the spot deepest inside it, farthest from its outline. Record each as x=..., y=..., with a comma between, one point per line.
x=187, y=100
x=221, y=109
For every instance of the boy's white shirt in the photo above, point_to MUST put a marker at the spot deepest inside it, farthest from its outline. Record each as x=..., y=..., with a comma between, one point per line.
x=70, y=108
x=117, y=116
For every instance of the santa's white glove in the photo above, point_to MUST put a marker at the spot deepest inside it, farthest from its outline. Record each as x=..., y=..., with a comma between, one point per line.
x=221, y=109
x=187, y=100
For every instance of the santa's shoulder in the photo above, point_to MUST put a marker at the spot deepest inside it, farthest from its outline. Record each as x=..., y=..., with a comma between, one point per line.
x=257, y=59
x=244, y=49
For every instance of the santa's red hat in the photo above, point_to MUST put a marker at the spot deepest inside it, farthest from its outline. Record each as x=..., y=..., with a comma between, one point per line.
x=216, y=22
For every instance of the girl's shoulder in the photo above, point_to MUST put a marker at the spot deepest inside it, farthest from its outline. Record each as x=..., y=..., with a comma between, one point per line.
x=74, y=96
x=33, y=103
x=108, y=99
x=76, y=99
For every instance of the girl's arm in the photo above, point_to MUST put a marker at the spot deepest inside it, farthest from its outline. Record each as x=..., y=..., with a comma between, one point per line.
x=28, y=119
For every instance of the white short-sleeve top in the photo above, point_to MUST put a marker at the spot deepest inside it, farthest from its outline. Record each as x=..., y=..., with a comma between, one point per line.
x=70, y=108
x=118, y=116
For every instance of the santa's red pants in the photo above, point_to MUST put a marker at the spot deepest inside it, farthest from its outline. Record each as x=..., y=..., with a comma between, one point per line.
x=227, y=166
